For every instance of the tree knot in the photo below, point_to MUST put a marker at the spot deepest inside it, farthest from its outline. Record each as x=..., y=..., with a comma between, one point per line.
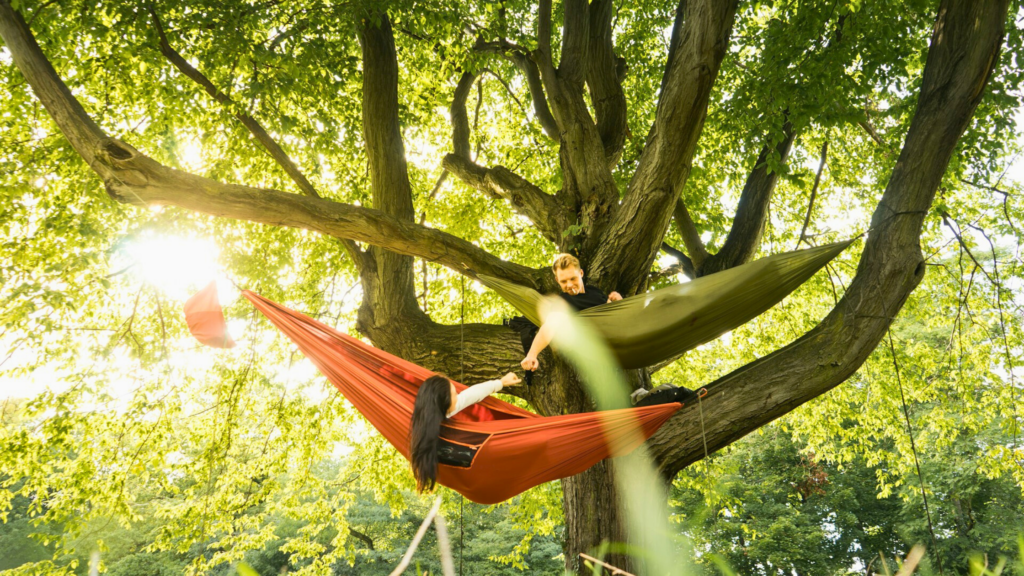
x=919, y=269
x=117, y=150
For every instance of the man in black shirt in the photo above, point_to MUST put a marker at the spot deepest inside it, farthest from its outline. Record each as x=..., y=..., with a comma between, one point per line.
x=582, y=296
x=579, y=295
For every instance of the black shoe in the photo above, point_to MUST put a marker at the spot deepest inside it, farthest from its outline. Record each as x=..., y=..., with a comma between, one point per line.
x=668, y=395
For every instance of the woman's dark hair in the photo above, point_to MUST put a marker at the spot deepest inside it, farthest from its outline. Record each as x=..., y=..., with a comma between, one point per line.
x=432, y=402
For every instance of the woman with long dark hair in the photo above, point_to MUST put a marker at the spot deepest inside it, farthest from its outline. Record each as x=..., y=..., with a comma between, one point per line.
x=436, y=401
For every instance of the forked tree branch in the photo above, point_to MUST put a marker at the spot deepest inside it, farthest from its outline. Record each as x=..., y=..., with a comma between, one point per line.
x=590, y=191
x=543, y=209
x=132, y=177
x=747, y=228
x=665, y=163
x=588, y=182
x=525, y=63
x=685, y=262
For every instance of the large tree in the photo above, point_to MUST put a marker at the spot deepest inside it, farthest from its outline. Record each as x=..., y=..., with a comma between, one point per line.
x=584, y=182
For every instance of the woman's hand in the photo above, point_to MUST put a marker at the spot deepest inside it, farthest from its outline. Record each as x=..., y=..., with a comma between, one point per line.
x=510, y=379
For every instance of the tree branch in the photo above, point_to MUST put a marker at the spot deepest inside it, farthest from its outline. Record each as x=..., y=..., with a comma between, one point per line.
x=254, y=127
x=522, y=60
x=685, y=263
x=389, y=176
x=508, y=89
x=251, y=124
x=132, y=177
x=540, y=102
x=1006, y=198
x=870, y=129
x=604, y=81
x=366, y=539
x=691, y=237
x=572, y=63
x=665, y=162
x=459, y=117
x=748, y=224
x=986, y=187
x=677, y=25
x=588, y=179
x=544, y=210
x=964, y=50
x=543, y=53
x=814, y=194
x=946, y=218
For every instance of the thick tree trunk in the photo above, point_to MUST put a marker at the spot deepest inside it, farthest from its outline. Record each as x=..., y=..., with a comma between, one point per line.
x=593, y=515
x=590, y=501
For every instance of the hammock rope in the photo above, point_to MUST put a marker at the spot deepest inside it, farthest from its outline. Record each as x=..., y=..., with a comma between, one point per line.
x=462, y=378
x=913, y=446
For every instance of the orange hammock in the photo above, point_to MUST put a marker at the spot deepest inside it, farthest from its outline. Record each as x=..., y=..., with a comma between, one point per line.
x=497, y=449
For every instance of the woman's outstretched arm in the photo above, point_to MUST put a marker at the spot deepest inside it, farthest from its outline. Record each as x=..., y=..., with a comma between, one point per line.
x=478, y=392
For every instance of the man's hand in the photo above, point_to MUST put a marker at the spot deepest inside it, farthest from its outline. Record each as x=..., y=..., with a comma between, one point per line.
x=510, y=379
x=614, y=297
x=530, y=363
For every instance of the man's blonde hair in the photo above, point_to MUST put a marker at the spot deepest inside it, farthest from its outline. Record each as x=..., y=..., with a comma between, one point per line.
x=564, y=262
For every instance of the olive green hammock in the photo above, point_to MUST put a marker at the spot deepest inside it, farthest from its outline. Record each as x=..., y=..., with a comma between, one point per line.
x=652, y=327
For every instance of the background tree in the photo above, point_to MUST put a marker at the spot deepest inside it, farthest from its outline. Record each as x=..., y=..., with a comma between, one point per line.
x=739, y=93
x=778, y=509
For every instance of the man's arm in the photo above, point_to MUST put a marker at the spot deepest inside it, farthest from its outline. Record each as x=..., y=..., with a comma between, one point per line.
x=540, y=342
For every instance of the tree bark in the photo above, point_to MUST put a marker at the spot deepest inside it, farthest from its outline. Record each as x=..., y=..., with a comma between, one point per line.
x=604, y=81
x=593, y=515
